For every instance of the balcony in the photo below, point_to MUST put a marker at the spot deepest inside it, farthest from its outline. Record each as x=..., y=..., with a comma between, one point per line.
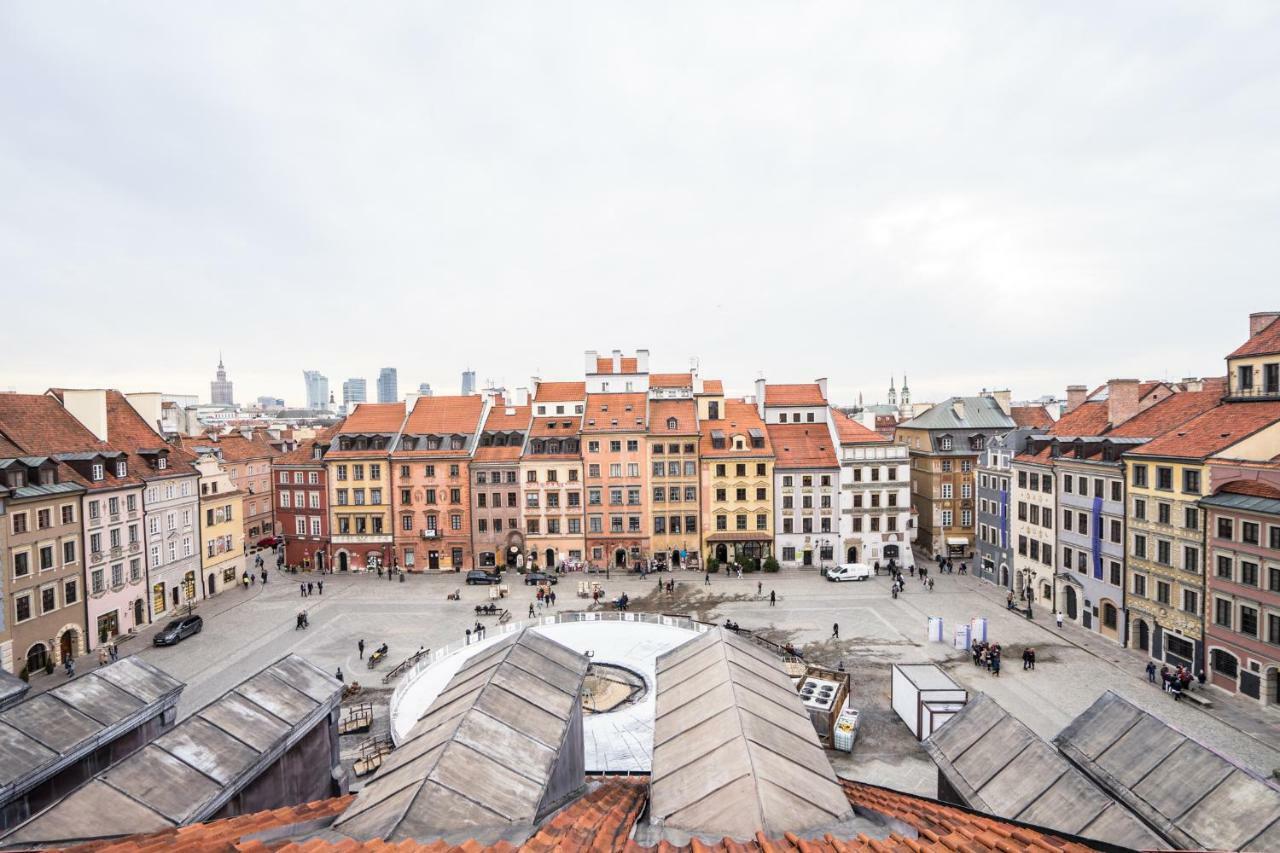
x=430, y=534
x=1255, y=393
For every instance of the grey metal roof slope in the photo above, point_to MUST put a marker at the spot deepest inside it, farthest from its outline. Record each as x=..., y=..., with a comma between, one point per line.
x=12, y=689
x=979, y=413
x=1192, y=795
x=999, y=766
x=43, y=734
x=498, y=749
x=1251, y=503
x=734, y=752
x=188, y=773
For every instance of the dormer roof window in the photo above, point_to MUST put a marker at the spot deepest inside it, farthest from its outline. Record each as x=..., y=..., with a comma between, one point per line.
x=122, y=468
x=162, y=463
x=98, y=472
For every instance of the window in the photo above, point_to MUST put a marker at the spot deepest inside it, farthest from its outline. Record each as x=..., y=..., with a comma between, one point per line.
x=1191, y=481
x=1140, y=476
x=68, y=552
x=1164, y=478
x=22, y=607
x=1190, y=601
x=1163, y=552
x=1191, y=558
x=1140, y=586
x=1191, y=518
x=1248, y=573
x=1222, y=612
x=1249, y=532
x=1224, y=663
x=1115, y=573
x=1140, y=509
x=1224, y=567
x=21, y=564
x=944, y=443
x=1163, y=513
x=1248, y=621
x=1162, y=592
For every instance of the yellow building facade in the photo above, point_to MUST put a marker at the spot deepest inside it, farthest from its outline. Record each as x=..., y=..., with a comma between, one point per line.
x=221, y=534
x=737, y=484
x=358, y=468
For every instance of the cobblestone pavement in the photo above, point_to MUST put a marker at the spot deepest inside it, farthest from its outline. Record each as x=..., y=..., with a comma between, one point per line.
x=245, y=631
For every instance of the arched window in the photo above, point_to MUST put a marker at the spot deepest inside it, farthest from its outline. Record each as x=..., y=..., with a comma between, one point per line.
x=671, y=423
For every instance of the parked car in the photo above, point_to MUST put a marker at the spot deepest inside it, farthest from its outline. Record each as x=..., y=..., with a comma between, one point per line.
x=269, y=542
x=849, y=572
x=178, y=630
x=535, y=578
x=476, y=576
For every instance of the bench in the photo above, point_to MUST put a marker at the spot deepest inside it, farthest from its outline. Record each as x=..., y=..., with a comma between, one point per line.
x=1198, y=697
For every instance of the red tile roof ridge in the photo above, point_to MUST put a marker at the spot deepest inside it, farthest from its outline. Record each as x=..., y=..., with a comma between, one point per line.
x=794, y=394
x=1266, y=342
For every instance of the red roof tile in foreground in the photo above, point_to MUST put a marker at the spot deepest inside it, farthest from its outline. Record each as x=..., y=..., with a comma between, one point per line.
x=623, y=412
x=1213, y=431
x=802, y=446
x=805, y=394
x=374, y=418
x=850, y=431
x=1266, y=342
x=43, y=427
x=670, y=380
x=685, y=413
x=560, y=392
x=1031, y=416
x=445, y=415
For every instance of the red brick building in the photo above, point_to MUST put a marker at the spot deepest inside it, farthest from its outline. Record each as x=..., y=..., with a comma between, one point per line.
x=301, y=500
x=614, y=438
x=1242, y=605
x=431, y=489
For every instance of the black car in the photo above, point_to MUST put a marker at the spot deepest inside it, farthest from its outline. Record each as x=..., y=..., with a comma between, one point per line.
x=179, y=629
x=476, y=576
x=535, y=578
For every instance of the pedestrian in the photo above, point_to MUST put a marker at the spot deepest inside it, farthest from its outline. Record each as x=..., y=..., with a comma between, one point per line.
x=338, y=675
x=1033, y=659
x=995, y=665
x=1058, y=616
x=835, y=630
x=253, y=580
x=114, y=651
x=1199, y=674
x=102, y=655
x=264, y=577
x=912, y=570
x=759, y=588
x=530, y=609
x=1026, y=659
x=310, y=587
x=773, y=597
x=1008, y=602
x=706, y=581
x=930, y=584
x=1151, y=671
x=553, y=598
x=468, y=636
x=302, y=590
x=69, y=667
x=360, y=646
x=320, y=584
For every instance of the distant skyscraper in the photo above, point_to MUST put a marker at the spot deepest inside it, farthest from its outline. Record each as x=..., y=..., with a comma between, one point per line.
x=388, y=391
x=353, y=391
x=468, y=382
x=220, y=393
x=424, y=389
x=317, y=389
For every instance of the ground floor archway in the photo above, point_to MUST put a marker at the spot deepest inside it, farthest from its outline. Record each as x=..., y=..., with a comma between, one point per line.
x=1004, y=576
x=620, y=558
x=344, y=561
x=675, y=558
x=37, y=657
x=851, y=555
x=1073, y=610
x=722, y=553
x=320, y=561
x=551, y=558
x=1143, y=635
x=68, y=644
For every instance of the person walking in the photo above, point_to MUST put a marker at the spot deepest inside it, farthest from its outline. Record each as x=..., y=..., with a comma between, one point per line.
x=69, y=666
x=1058, y=616
x=706, y=580
x=1026, y=659
x=930, y=584
x=773, y=597
x=468, y=636
x=759, y=588
x=114, y=651
x=302, y=590
x=320, y=584
x=1008, y=601
x=1151, y=671
x=310, y=587
x=360, y=646
x=338, y=675
x=1032, y=652
x=530, y=609
x=835, y=630
x=995, y=664
x=102, y=655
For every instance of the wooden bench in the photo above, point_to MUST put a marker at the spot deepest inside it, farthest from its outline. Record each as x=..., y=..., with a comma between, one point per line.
x=359, y=718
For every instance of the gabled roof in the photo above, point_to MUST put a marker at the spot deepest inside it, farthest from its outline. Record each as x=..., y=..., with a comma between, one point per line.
x=712, y=387
x=622, y=412
x=1190, y=794
x=849, y=431
x=41, y=426
x=236, y=448
x=734, y=752
x=684, y=411
x=999, y=766
x=981, y=412
x=560, y=392
x=1167, y=414
x=504, y=418
x=1089, y=418
x=374, y=418
x=1266, y=342
x=304, y=453
x=740, y=418
x=484, y=757
x=445, y=415
x=1031, y=416
x=129, y=430
x=802, y=394
x=1213, y=431
x=803, y=446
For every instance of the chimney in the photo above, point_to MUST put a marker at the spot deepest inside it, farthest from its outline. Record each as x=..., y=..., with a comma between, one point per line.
x=591, y=356
x=642, y=361
x=760, y=383
x=1191, y=383
x=1002, y=399
x=617, y=361
x=90, y=408
x=957, y=406
x=1122, y=400
x=1260, y=320
x=149, y=405
x=522, y=397
x=1076, y=395
x=697, y=380
x=822, y=386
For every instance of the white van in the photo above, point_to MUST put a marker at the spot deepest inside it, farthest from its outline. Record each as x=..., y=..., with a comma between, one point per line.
x=849, y=572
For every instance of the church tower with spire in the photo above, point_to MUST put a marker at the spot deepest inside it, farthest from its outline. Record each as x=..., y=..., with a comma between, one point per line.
x=906, y=393
x=893, y=394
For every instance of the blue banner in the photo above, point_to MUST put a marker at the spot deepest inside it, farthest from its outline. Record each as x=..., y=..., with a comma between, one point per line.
x=1004, y=520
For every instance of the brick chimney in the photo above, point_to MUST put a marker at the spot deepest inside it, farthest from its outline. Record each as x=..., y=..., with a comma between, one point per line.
x=1193, y=383
x=1259, y=320
x=1122, y=400
x=1076, y=395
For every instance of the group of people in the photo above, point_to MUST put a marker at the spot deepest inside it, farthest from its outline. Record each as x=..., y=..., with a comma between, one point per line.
x=987, y=656
x=621, y=602
x=1174, y=680
x=947, y=567
x=305, y=589
x=546, y=596
x=301, y=621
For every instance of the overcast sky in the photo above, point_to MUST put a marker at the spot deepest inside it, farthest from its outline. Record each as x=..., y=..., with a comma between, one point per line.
x=976, y=194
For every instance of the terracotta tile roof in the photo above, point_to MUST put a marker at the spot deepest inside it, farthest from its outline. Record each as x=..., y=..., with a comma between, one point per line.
x=739, y=418
x=802, y=446
x=684, y=411
x=670, y=380
x=504, y=417
x=625, y=412
x=507, y=453
x=600, y=820
x=805, y=394
x=445, y=415
x=40, y=425
x=304, y=453
x=849, y=431
x=129, y=431
x=560, y=392
x=227, y=834
x=1031, y=416
x=712, y=387
x=605, y=364
x=1089, y=418
x=236, y=448
x=1266, y=342
x=1213, y=431
x=560, y=426
x=1253, y=488
x=374, y=418
x=9, y=450
x=1170, y=412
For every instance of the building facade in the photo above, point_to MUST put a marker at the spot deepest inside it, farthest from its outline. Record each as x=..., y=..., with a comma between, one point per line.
x=222, y=559
x=1034, y=541
x=497, y=529
x=221, y=392
x=354, y=392
x=806, y=488
x=737, y=481
x=388, y=386
x=431, y=486
x=875, y=496
x=301, y=490
x=1242, y=608
x=317, y=386
x=993, y=542
x=944, y=444
x=674, y=473
x=614, y=452
x=359, y=479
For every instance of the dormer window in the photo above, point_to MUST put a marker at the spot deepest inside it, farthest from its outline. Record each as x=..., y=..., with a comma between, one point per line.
x=316, y=453
x=455, y=443
x=162, y=463
x=433, y=443
x=944, y=442
x=122, y=468
x=98, y=472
